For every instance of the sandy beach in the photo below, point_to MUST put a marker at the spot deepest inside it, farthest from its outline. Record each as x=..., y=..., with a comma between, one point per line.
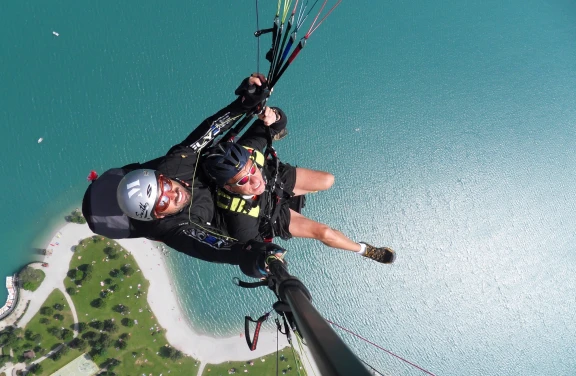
x=161, y=298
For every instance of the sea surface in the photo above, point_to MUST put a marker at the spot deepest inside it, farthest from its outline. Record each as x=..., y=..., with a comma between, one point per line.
x=450, y=127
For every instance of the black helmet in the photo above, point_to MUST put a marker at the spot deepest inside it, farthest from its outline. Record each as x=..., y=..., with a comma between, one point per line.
x=223, y=161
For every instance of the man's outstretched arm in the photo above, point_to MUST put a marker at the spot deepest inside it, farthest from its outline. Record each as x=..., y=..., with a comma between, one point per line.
x=221, y=121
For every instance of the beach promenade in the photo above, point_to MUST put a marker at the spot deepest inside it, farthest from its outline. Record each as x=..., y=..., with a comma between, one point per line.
x=161, y=298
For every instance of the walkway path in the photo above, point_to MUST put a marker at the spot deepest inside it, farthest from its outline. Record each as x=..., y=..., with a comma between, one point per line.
x=59, y=262
x=201, y=369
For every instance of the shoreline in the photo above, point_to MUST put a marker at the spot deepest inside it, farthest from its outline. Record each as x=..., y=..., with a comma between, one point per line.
x=166, y=306
x=161, y=296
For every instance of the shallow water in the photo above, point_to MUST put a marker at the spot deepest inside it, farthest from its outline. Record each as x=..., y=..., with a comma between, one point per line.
x=449, y=127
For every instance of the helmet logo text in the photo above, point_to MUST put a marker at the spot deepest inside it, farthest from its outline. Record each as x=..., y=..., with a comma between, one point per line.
x=132, y=191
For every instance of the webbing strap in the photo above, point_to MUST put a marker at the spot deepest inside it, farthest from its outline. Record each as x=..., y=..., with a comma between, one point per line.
x=247, y=319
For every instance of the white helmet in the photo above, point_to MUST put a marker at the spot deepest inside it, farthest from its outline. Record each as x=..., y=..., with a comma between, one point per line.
x=137, y=194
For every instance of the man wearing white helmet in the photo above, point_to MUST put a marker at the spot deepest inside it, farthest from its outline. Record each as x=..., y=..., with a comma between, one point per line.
x=169, y=199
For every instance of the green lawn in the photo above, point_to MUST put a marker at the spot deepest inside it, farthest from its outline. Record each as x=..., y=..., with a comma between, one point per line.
x=258, y=367
x=124, y=296
x=146, y=343
x=48, y=340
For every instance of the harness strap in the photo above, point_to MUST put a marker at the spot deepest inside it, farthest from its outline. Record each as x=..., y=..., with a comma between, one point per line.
x=247, y=319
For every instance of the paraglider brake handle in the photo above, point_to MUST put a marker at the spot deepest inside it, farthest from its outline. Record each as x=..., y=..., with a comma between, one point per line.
x=263, y=31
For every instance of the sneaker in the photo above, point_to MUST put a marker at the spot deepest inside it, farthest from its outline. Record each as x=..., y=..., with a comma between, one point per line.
x=384, y=255
x=280, y=135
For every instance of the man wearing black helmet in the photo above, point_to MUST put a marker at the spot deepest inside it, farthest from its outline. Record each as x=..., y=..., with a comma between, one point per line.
x=169, y=199
x=255, y=193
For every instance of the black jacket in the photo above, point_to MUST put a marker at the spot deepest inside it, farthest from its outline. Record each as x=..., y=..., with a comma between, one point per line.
x=198, y=231
x=195, y=232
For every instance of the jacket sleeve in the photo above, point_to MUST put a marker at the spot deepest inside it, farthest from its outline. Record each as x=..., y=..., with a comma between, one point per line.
x=213, y=126
x=256, y=137
x=180, y=161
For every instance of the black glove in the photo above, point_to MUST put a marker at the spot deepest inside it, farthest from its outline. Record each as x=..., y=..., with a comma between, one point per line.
x=252, y=96
x=253, y=262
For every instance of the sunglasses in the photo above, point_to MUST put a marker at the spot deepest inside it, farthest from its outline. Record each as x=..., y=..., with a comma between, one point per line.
x=246, y=178
x=165, y=185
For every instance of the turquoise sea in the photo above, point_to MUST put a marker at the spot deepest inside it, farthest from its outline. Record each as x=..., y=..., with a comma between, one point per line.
x=450, y=127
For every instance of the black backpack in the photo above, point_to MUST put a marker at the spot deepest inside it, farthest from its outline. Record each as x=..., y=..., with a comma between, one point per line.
x=101, y=209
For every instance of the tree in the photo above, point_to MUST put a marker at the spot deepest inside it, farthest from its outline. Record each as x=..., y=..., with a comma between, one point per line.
x=75, y=217
x=44, y=320
x=127, y=270
x=115, y=273
x=58, y=317
x=81, y=327
x=56, y=356
x=111, y=252
x=78, y=343
x=128, y=322
x=58, y=307
x=37, y=338
x=71, y=291
x=110, y=326
x=72, y=274
x=98, y=325
x=31, y=278
x=98, y=303
x=110, y=364
x=4, y=359
x=121, y=308
x=82, y=345
x=121, y=344
x=176, y=355
x=36, y=369
x=99, y=350
x=54, y=331
x=166, y=351
x=47, y=311
x=105, y=340
x=113, y=287
x=90, y=336
x=64, y=350
x=86, y=268
x=66, y=335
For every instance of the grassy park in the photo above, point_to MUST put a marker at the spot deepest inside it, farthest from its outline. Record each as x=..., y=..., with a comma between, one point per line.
x=54, y=323
x=117, y=327
x=263, y=366
x=47, y=330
